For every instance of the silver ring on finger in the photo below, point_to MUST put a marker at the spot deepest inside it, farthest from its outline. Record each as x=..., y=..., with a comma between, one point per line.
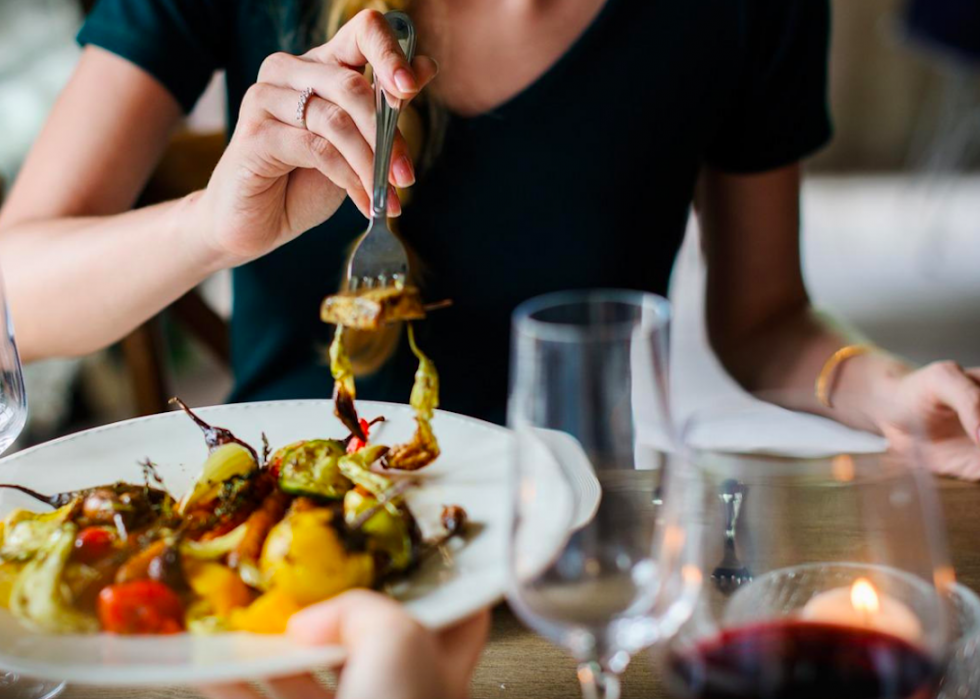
x=304, y=99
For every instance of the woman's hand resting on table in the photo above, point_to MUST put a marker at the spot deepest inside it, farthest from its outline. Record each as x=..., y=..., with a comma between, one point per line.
x=936, y=412
x=389, y=654
x=278, y=179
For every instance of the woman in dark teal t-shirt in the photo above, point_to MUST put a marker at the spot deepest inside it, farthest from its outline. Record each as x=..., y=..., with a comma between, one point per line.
x=563, y=146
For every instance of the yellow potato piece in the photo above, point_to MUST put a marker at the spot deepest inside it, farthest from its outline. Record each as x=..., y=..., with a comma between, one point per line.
x=304, y=558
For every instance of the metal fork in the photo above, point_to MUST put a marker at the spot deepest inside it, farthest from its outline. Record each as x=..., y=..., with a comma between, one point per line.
x=380, y=259
x=731, y=573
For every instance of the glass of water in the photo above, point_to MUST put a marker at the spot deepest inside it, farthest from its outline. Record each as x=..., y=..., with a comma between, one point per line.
x=595, y=565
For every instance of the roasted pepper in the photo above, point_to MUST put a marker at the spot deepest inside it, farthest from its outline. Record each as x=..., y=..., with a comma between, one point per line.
x=219, y=586
x=357, y=468
x=268, y=614
x=356, y=443
x=423, y=448
x=344, y=389
x=8, y=577
x=387, y=533
x=310, y=468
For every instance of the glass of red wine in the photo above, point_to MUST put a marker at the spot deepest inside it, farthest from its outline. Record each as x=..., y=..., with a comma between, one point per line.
x=824, y=559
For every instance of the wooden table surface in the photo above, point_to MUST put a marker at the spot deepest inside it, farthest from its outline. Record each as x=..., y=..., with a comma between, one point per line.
x=518, y=664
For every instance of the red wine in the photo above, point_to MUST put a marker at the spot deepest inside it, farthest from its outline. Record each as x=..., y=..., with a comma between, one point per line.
x=802, y=660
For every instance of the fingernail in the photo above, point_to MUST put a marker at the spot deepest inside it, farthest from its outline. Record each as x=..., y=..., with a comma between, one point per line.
x=431, y=61
x=404, y=173
x=405, y=81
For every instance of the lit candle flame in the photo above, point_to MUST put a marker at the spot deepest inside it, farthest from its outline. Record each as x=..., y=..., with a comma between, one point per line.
x=861, y=605
x=863, y=597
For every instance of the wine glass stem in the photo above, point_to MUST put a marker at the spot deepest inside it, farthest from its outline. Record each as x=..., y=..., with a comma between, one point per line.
x=597, y=682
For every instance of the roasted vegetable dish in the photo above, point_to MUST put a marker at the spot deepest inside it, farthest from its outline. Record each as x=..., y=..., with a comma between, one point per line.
x=256, y=537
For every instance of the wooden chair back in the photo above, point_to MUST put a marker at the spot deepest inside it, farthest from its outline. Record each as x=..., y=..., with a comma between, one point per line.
x=185, y=168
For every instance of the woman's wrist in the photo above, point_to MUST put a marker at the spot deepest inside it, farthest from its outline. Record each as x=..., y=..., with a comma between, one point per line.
x=868, y=383
x=195, y=227
x=827, y=378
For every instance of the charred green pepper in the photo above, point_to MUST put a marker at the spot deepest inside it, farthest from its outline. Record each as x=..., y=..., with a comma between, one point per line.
x=311, y=468
x=344, y=390
x=391, y=532
x=423, y=449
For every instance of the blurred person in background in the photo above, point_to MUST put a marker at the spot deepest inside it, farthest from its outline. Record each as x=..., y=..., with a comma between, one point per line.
x=560, y=147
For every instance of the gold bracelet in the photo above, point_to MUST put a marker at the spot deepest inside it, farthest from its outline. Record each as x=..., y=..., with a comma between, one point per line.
x=822, y=387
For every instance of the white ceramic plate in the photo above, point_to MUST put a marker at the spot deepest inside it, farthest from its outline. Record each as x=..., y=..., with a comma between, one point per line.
x=471, y=472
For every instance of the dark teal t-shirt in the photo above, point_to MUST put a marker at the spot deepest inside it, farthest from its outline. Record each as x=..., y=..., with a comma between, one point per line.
x=584, y=179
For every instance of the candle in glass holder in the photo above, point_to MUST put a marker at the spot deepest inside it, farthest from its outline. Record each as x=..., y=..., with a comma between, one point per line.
x=861, y=606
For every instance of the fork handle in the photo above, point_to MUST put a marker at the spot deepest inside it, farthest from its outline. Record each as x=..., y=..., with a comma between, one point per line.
x=387, y=109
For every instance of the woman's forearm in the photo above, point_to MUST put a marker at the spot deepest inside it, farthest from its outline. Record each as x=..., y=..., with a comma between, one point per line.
x=759, y=317
x=787, y=357
x=75, y=285
x=770, y=339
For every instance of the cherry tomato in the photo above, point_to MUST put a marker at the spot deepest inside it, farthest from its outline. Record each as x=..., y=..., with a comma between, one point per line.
x=356, y=443
x=140, y=607
x=94, y=543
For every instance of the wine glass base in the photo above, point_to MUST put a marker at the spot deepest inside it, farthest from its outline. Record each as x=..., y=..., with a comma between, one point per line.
x=16, y=687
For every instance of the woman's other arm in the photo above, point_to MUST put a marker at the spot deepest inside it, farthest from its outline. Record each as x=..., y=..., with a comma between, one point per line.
x=78, y=274
x=768, y=337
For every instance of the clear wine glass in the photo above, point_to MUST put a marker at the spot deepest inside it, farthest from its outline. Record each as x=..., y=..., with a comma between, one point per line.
x=13, y=415
x=962, y=677
x=594, y=564
x=824, y=558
